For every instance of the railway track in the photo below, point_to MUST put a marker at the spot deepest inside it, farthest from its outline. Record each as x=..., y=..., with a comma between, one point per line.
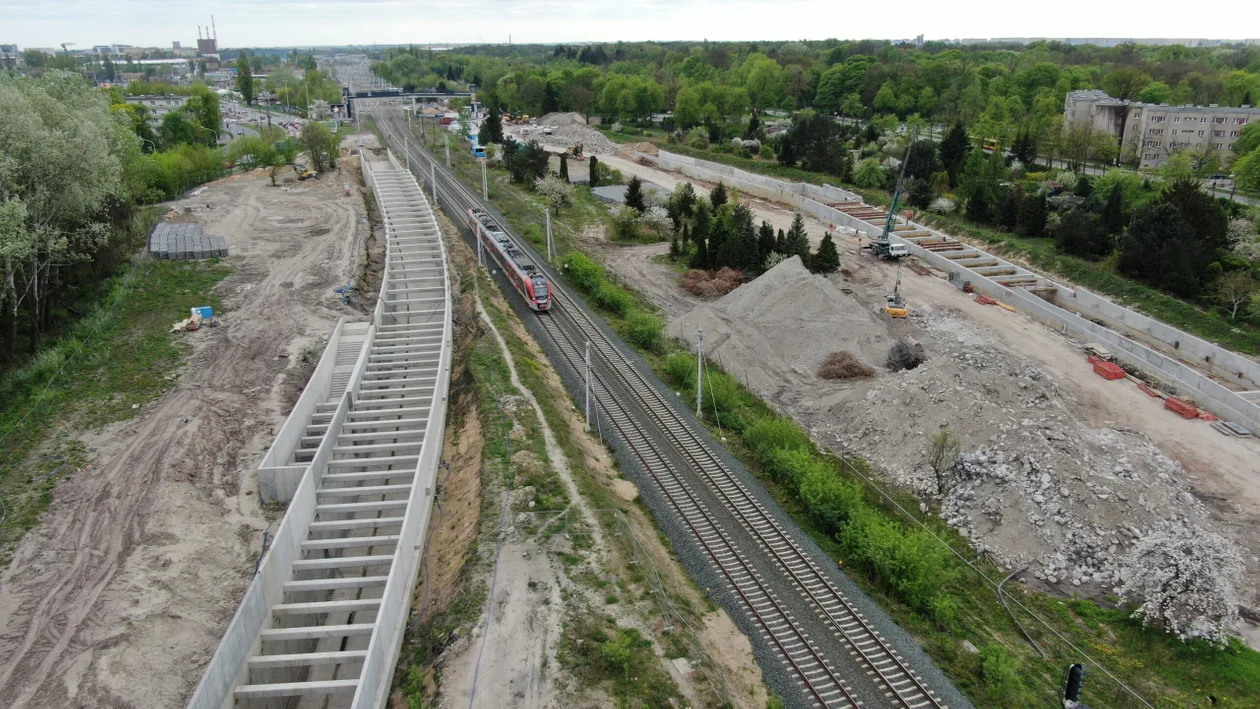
x=664, y=443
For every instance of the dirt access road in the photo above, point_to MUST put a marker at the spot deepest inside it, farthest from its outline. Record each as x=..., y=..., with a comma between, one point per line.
x=1224, y=472
x=120, y=595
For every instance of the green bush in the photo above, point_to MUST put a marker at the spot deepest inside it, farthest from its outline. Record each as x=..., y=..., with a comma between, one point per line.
x=647, y=332
x=789, y=465
x=680, y=369
x=767, y=152
x=771, y=432
x=911, y=564
x=831, y=499
x=614, y=299
x=725, y=395
x=1000, y=671
x=534, y=235
x=587, y=275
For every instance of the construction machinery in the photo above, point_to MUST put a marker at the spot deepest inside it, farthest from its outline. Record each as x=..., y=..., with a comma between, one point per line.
x=896, y=306
x=303, y=173
x=882, y=245
x=575, y=152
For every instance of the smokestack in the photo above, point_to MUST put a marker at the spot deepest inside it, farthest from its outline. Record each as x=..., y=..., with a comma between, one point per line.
x=216, y=29
x=198, y=32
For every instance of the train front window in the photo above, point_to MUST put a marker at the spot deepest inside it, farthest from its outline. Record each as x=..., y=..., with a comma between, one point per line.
x=540, y=289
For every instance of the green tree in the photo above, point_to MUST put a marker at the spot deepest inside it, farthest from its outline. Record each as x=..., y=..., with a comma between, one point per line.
x=564, y=167
x=244, y=78
x=1113, y=214
x=796, y=242
x=1162, y=249
x=1008, y=209
x=634, y=195
x=1201, y=211
x=1234, y=290
x=1156, y=92
x=979, y=207
x=765, y=240
x=319, y=145
x=1248, y=139
x=1126, y=83
x=827, y=259
x=492, y=128
x=954, y=150
x=886, y=98
x=1080, y=233
x=1032, y=215
x=593, y=171
x=868, y=173
x=718, y=196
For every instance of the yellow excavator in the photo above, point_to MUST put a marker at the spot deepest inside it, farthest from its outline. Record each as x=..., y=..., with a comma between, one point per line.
x=896, y=306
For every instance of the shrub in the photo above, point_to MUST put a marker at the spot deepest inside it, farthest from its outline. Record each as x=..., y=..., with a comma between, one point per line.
x=903, y=355
x=725, y=395
x=647, y=332
x=942, y=205
x=1000, y=671
x=789, y=465
x=534, y=235
x=680, y=369
x=698, y=138
x=911, y=564
x=711, y=284
x=831, y=499
x=766, y=152
x=775, y=432
x=844, y=365
x=585, y=273
x=614, y=299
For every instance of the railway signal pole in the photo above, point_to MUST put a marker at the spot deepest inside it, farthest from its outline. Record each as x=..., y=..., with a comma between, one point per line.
x=547, y=213
x=447, y=138
x=588, y=386
x=407, y=152
x=699, y=369
x=485, y=184
x=433, y=179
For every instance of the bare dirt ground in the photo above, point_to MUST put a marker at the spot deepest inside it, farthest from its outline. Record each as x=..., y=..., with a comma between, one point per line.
x=119, y=596
x=1220, y=475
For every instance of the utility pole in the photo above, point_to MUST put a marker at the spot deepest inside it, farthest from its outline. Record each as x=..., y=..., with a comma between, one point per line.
x=407, y=151
x=485, y=184
x=447, y=138
x=547, y=212
x=699, y=369
x=433, y=178
x=588, y=386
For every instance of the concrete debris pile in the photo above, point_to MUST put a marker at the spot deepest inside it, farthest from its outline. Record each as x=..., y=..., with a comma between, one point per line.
x=777, y=330
x=1035, y=485
x=560, y=118
x=566, y=134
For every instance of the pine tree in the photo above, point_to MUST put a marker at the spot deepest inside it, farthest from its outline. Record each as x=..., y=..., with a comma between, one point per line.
x=718, y=196
x=797, y=240
x=686, y=234
x=634, y=195
x=780, y=242
x=700, y=259
x=1113, y=211
x=754, y=127
x=978, y=207
x=564, y=168
x=827, y=259
x=1008, y=209
x=765, y=240
x=492, y=128
x=593, y=177
x=1032, y=215
x=1084, y=186
x=954, y=150
x=674, y=250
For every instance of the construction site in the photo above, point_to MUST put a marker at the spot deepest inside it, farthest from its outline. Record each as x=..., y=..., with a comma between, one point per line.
x=1067, y=460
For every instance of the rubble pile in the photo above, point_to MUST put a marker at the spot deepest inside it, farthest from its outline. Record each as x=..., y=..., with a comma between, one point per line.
x=1036, y=486
x=568, y=134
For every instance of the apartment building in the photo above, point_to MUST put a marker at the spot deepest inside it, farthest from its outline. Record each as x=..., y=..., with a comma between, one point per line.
x=1153, y=132
x=158, y=106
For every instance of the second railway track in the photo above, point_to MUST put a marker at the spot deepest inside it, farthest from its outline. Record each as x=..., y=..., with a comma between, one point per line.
x=663, y=442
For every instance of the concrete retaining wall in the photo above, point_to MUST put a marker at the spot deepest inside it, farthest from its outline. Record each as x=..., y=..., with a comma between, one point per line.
x=1229, y=366
x=1184, y=380
x=227, y=667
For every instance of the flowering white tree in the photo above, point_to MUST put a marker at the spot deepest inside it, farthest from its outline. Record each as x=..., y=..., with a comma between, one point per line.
x=625, y=222
x=941, y=205
x=1186, y=581
x=657, y=217
x=557, y=191
x=891, y=164
x=1242, y=236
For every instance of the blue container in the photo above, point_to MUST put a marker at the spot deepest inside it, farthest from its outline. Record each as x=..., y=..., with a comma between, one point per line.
x=206, y=312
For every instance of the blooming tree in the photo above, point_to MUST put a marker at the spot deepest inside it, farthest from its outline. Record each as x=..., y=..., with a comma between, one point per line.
x=557, y=191
x=657, y=217
x=1186, y=581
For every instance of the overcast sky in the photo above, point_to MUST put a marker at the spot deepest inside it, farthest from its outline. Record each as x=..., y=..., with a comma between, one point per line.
x=48, y=23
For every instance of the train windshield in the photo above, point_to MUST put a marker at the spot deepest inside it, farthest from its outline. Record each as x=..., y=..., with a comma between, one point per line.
x=540, y=288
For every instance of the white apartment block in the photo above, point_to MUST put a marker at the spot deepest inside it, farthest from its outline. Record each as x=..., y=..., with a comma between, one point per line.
x=1153, y=132
x=158, y=106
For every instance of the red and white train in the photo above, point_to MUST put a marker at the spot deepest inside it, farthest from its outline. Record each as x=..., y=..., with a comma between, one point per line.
x=525, y=277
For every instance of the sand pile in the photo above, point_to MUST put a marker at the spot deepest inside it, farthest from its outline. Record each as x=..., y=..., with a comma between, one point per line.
x=628, y=150
x=777, y=330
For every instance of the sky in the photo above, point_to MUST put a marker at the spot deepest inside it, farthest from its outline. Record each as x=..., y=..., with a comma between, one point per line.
x=256, y=23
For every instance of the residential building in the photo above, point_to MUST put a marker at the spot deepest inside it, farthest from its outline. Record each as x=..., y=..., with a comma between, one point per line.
x=1150, y=133
x=158, y=106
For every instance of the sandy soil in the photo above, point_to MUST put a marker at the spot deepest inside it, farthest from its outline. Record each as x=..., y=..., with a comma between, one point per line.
x=119, y=596
x=1223, y=473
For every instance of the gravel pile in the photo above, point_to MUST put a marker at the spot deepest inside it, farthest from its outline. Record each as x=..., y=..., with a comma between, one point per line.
x=559, y=118
x=783, y=325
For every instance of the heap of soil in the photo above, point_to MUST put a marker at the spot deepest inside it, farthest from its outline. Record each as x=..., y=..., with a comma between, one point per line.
x=560, y=118
x=628, y=150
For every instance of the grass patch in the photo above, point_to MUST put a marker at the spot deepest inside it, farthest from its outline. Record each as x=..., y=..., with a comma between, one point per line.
x=600, y=653
x=119, y=356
